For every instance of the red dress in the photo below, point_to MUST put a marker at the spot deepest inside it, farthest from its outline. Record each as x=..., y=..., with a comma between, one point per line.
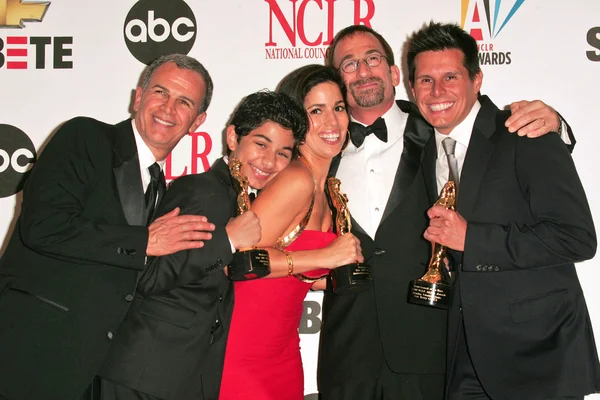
x=262, y=361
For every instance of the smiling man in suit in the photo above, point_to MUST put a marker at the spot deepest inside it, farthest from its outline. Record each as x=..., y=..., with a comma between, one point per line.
x=374, y=344
x=71, y=267
x=171, y=345
x=519, y=326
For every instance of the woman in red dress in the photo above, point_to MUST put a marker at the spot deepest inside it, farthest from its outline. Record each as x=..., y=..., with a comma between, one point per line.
x=262, y=360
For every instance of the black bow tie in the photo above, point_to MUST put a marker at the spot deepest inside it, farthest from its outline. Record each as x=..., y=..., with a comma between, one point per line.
x=359, y=132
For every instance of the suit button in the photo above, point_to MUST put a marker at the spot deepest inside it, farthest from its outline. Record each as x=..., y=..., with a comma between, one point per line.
x=497, y=268
x=120, y=250
x=478, y=268
x=129, y=297
x=220, y=297
x=110, y=335
x=379, y=252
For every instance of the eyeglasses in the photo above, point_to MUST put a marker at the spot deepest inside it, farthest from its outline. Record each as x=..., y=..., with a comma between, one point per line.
x=372, y=60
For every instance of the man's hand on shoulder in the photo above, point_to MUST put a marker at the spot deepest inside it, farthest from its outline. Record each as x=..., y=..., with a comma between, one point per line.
x=532, y=118
x=173, y=232
x=244, y=231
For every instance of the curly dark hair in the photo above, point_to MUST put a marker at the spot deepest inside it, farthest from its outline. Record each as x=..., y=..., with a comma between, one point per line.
x=257, y=108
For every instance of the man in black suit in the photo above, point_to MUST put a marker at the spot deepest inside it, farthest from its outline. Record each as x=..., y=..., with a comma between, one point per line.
x=374, y=344
x=519, y=326
x=171, y=345
x=71, y=267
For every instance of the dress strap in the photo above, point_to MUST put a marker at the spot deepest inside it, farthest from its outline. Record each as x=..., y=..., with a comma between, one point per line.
x=285, y=241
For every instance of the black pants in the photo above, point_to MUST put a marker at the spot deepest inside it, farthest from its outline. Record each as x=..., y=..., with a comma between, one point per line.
x=390, y=386
x=393, y=386
x=102, y=389
x=93, y=391
x=463, y=381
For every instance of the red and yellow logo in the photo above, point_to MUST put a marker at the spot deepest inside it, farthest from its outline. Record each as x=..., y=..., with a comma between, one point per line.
x=14, y=12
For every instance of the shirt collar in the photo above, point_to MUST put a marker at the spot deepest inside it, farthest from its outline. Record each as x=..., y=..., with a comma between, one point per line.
x=394, y=119
x=461, y=133
x=144, y=153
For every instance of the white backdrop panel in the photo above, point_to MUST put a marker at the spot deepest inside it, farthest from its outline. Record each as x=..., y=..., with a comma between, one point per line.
x=243, y=44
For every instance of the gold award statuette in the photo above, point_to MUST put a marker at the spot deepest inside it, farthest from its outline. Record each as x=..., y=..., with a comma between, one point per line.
x=435, y=287
x=252, y=263
x=352, y=277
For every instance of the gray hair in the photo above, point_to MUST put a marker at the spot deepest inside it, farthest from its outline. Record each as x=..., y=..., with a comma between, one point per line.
x=184, y=62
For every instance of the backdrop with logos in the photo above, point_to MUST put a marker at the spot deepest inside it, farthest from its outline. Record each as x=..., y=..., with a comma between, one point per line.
x=65, y=58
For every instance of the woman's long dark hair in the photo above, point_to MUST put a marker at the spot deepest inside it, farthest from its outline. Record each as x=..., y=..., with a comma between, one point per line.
x=300, y=81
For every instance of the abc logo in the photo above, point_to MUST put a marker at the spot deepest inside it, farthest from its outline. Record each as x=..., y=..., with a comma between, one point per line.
x=156, y=27
x=17, y=156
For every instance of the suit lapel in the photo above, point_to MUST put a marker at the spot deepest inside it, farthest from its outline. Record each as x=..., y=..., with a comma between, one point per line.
x=221, y=171
x=356, y=228
x=335, y=163
x=416, y=135
x=126, y=168
x=428, y=163
x=478, y=155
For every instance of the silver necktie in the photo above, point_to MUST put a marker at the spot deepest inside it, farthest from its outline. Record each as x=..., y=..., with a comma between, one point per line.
x=449, y=145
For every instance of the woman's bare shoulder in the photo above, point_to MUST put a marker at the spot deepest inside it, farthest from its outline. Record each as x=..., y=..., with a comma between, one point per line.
x=295, y=178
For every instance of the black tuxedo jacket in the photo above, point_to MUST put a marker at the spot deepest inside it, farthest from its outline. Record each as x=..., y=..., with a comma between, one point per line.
x=71, y=265
x=526, y=322
x=362, y=331
x=172, y=342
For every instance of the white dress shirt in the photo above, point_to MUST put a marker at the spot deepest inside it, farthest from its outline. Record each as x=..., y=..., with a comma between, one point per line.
x=367, y=173
x=462, y=134
x=145, y=156
x=145, y=160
